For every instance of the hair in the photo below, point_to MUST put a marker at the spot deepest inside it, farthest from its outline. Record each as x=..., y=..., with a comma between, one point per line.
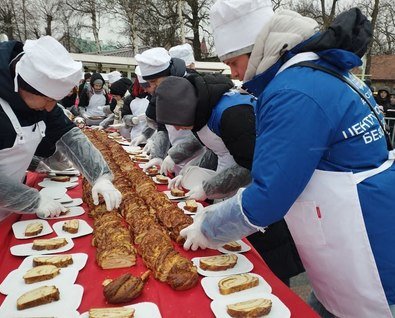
x=138, y=88
x=21, y=82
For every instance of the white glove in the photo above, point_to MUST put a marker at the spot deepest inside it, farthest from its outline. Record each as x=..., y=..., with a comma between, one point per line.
x=135, y=120
x=97, y=127
x=138, y=140
x=167, y=165
x=175, y=182
x=111, y=195
x=197, y=193
x=147, y=147
x=48, y=207
x=152, y=162
x=194, y=237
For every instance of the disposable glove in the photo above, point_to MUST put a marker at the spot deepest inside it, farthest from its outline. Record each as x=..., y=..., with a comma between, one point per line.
x=148, y=146
x=111, y=195
x=194, y=238
x=197, y=193
x=167, y=165
x=107, y=110
x=130, y=120
x=138, y=140
x=42, y=168
x=175, y=182
x=152, y=162
x=97, y=127
x=48, y=207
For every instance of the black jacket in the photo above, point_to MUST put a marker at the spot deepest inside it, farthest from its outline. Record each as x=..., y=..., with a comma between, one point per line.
x=57, y=123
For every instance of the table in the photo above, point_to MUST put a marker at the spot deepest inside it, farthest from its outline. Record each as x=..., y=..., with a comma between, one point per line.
x=192, y=303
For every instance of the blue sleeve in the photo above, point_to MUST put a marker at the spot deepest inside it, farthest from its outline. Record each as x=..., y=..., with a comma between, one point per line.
x=293, y=132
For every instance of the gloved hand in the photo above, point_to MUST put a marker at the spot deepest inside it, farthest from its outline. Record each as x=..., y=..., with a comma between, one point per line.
x=167, y=165
x=111, y=195
x=98, y=127
x=197, y=193
x=42, y=168
x=147, y=147
x=107, y=110
x=130, y=120
x=48, y=207
x=152, y=162
x=194, y=238
x=175, y=182
x=138, y=140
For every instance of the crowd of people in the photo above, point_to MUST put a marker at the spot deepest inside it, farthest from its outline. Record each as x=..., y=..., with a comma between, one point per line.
x=298, y=160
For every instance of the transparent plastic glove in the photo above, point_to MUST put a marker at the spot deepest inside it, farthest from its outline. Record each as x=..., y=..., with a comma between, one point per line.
x=97, y=127
x=111, y=195
x=226, y=221
x=194, y=238
x=167, y=165
x=130, y=120
x=175, y=182
x=152, y=162
x=107, y=110
x=147, y=147
x=197, y=193
x=48, y=207
x=42, y=168
x=138, y=140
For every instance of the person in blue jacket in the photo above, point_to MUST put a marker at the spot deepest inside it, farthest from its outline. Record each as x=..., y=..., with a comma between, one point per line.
x=322, y=158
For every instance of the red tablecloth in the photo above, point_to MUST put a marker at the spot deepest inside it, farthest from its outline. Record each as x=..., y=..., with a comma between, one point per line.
x=174, y=304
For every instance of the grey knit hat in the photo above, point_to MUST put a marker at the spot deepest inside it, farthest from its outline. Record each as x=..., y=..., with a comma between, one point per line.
x=176, y=102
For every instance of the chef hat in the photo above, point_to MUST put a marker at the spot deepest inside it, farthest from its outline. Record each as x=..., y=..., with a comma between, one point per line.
x=114, y=76
x=137, y=71
x=48, y=67
x=183, y=52
x=153, y=63
x=236, y=25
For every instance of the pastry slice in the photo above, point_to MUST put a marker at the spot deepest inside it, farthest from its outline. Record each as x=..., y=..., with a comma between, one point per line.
x=218, y=263
x=40, y=273
x=49, y=244
x=236, y=283
x=38, y=296
x=251, y=308
x=177, y=192
x=58, y=260
x=190, y=205
x=162, y=179
x=152, y=171
x=60, y=178
x=33, y=229
x=116, y=312
x=232, y=246
x=71, y=226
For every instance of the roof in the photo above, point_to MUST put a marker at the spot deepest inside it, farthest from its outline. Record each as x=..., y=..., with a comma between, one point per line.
x=123, y=52
x=383, y=67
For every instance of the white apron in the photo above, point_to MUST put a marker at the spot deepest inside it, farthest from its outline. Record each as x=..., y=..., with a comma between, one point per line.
x=95, y=101
x=138, y=106
x=328, y=228
x=15, y=160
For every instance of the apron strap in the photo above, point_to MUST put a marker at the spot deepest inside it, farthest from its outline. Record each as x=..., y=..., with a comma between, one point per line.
x=361, y=176
x=14, y=120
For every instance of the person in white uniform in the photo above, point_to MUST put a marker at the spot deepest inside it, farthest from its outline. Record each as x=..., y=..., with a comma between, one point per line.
x=34, y=76
x=322, y=159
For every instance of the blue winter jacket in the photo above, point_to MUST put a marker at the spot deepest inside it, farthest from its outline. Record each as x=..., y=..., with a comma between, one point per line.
x=307, y=120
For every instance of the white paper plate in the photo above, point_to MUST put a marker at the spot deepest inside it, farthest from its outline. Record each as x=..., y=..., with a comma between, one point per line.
x=79, y=261
x=54, y=193
x=243, y=265
x=67, y=172
x=181, y=205
x=244, y=248
x=123, y=142
x=74, y=211
x=279, y=310
x=14, y=280
x=26, y=249
x=210, y=286
x=84, y=229
x=143, y=310
x=133, y=150
x=20, y=227
x=72, y=179
x=51, y=184
x=172, y=197
x=65, y=199
x=74, y=202
x=157, y=182
x=70, y=299
x=64, y=314
x=117, y=125
x=141, y=165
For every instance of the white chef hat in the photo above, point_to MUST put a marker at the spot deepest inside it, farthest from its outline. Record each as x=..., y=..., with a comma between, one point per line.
x=153, y=62
x=183, y=52
x=48, y=67
x=114, y=76
x=236, y=25
x=137, y=71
